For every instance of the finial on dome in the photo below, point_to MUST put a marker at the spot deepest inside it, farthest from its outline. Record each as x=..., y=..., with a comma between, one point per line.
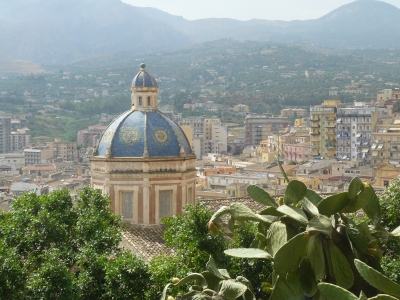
x=143, y=66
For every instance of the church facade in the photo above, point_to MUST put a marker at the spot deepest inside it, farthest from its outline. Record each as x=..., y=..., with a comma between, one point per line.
x=144, y=161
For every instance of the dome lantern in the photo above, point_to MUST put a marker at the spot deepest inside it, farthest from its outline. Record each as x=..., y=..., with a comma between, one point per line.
x=144, y=91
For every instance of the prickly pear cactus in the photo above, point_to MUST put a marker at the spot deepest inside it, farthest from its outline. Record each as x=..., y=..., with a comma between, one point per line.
x=212, y=284
x=313, y=242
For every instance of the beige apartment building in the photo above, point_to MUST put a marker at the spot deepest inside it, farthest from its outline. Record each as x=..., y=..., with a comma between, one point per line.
x=387, y=94
x=291, y=112
x=260, y=127
x=385, y=146
x=323, y=129
x=47, y=151
x=90, y=136
x=241, y=108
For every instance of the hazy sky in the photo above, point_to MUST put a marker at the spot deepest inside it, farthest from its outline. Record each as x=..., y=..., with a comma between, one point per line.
x=246, y=10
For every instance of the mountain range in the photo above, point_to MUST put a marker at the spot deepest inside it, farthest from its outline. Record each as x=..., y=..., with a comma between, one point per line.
x=59, y=31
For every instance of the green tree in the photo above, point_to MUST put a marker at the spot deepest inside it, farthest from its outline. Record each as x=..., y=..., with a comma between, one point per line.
x=58, y=247
x=188, y=235
x=390, y=202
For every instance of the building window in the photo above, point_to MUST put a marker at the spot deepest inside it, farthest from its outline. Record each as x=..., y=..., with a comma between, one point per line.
x=385, y=183
x=140, y=101
x=127, y=205
x=165, y=203
x=148, y=101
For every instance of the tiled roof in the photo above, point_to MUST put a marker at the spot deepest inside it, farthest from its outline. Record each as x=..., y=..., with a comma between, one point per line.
x=145, y=241
x=143, y=133
x=285, y=167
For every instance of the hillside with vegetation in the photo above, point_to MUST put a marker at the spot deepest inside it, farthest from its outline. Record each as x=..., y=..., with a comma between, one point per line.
x=265, y=76
x=57, y=31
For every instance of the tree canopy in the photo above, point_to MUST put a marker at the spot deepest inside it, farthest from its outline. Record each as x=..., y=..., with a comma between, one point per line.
x=59, y=247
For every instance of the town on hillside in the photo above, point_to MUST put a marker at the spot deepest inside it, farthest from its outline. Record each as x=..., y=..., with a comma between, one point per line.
x=324, y=146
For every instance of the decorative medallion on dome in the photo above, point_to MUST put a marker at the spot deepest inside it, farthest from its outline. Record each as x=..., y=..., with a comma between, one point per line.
x=108, y=135
x=161, y=136
x=129, y=135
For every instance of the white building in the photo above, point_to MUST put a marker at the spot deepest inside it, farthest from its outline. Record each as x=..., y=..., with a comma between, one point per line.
x=208, y=135
x=222, y=180
x=16, y=160
x=353, y=132
x=19, y=139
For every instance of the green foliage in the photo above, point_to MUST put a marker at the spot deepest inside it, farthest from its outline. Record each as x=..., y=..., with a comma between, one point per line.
x=213, y=284
x=390, y=203
x=126, y=277
x=162, y=269
x=314, y=241
x=188, y=235
x=391, y=267
x=58, y=247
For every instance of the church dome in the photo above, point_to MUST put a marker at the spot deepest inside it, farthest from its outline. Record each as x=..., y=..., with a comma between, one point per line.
x=143, y=134
x=143, y=79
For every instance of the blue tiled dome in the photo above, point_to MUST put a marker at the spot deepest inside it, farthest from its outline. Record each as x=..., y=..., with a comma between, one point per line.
x=144, y=79
x=134, y=131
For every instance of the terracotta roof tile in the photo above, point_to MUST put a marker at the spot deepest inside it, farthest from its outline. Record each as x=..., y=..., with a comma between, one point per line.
x=146, y=241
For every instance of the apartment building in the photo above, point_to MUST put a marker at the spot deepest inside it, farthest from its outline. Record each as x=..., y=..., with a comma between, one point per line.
x=354, y=127
x=241, y=108
x=387, y=94
x=291, y=112
x=207, y=136
x=90, y=136
x=297, y=152
x=323, y=129
x=5, y=133
x=41, y=153
x=259, y=127
x=19, y=139
x=65, y=150
x=196, y=123
x=37, y=155
x=385, y=138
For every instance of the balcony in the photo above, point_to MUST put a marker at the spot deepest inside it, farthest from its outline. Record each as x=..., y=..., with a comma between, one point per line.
x=314, y=133
x=331, y=126
x=315, y=147
x=314, y=119
x=353, y=115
